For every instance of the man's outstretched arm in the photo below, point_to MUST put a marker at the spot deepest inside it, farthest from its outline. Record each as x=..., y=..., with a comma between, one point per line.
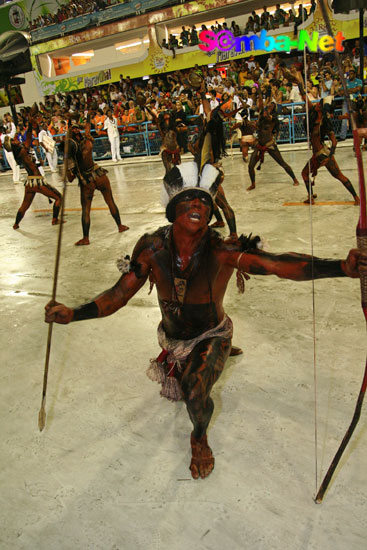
x=103, y=305
x=110, y=300
x=299, y=267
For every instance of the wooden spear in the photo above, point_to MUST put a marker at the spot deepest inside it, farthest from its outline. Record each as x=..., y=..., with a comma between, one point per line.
x=42, y=412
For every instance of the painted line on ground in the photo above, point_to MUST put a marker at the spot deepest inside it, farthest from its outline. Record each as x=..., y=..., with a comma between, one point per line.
x=326, y=203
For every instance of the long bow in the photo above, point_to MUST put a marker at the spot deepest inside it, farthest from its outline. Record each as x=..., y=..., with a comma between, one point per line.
x=362, y=245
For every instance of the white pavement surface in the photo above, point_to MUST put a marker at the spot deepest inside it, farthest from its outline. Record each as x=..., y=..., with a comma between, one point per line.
x=110, y=470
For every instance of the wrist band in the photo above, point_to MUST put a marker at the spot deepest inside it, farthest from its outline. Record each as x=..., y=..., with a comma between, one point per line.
x=87, y=311
x=327, y=268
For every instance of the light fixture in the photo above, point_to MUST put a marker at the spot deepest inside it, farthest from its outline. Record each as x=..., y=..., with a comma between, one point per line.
x=131, y=45
x=83, y=54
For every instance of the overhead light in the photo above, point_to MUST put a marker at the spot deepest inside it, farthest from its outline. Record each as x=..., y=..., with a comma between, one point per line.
x=146, y=77
x=211, y=66
x=132, y=44
x=83, y=54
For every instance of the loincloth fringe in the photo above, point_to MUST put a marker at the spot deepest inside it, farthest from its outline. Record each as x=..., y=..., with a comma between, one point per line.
x=92, y=174
x=169, y=364
x=35, y=181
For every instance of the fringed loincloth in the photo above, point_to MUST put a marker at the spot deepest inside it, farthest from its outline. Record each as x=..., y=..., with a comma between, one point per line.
x=263, y=148
x=318, y=159
x=174, y=154
x=248, y=138
x=92, y=174
x=36, y=181
x=170, y=363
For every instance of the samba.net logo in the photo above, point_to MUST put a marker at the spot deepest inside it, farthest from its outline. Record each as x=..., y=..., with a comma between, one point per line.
x=225, y=41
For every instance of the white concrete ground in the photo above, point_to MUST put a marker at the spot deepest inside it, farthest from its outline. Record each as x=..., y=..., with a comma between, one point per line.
x=110, y=470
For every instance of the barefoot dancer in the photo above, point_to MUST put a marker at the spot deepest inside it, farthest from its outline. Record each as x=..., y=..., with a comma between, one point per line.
x=191, y=265
x=209, y=148
x=246, y=130
x=320, y=129
x=35, y=182
x=267, y=128
x=170, y=149
x=90, y=177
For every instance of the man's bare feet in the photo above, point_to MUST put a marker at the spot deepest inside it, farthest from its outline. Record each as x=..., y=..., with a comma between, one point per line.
x=295, y=183
x=218, y=224
x=123, y=228
x=202, y=461
x=15, y=226
x=235, y=351
x=245, y=159
x=85, y=240
x=56, y=222
x=252, y=186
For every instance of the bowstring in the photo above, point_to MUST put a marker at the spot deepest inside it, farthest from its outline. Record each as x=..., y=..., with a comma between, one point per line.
x=310, y=194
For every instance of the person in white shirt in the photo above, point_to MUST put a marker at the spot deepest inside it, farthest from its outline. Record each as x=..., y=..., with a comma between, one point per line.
x=294, y=96
x=8, y=131
x=228, y=87
x=44, y=138
x=110, y=124
x=214, y=103
x=216, y=78
x=270, y=64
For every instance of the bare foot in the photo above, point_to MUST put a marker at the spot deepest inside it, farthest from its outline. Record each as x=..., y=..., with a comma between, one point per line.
x=252, y=186
x=85, y=240
x=310, y=200
x=122, y=228
x=56, y=222
x=356, y=201
x=245, y=159
x=202, y=461
x=218, y=224
x=15, y=226
x=235, y=351
x=295, y=183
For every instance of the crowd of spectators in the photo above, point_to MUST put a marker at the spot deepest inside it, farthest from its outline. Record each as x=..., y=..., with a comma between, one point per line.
x=188, y=37
x=69, y=11
x=242, y=81
x=255, y=23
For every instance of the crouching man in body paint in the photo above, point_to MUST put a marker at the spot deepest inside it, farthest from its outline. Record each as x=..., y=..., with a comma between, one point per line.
x=191, y=265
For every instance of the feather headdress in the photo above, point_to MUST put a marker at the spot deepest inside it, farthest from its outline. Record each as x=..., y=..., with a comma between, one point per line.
x=186, y=177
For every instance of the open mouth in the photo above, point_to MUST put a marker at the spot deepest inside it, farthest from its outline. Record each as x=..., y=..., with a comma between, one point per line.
x=195, y=217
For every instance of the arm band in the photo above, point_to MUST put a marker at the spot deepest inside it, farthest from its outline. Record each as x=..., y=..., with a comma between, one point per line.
x=87, y=311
